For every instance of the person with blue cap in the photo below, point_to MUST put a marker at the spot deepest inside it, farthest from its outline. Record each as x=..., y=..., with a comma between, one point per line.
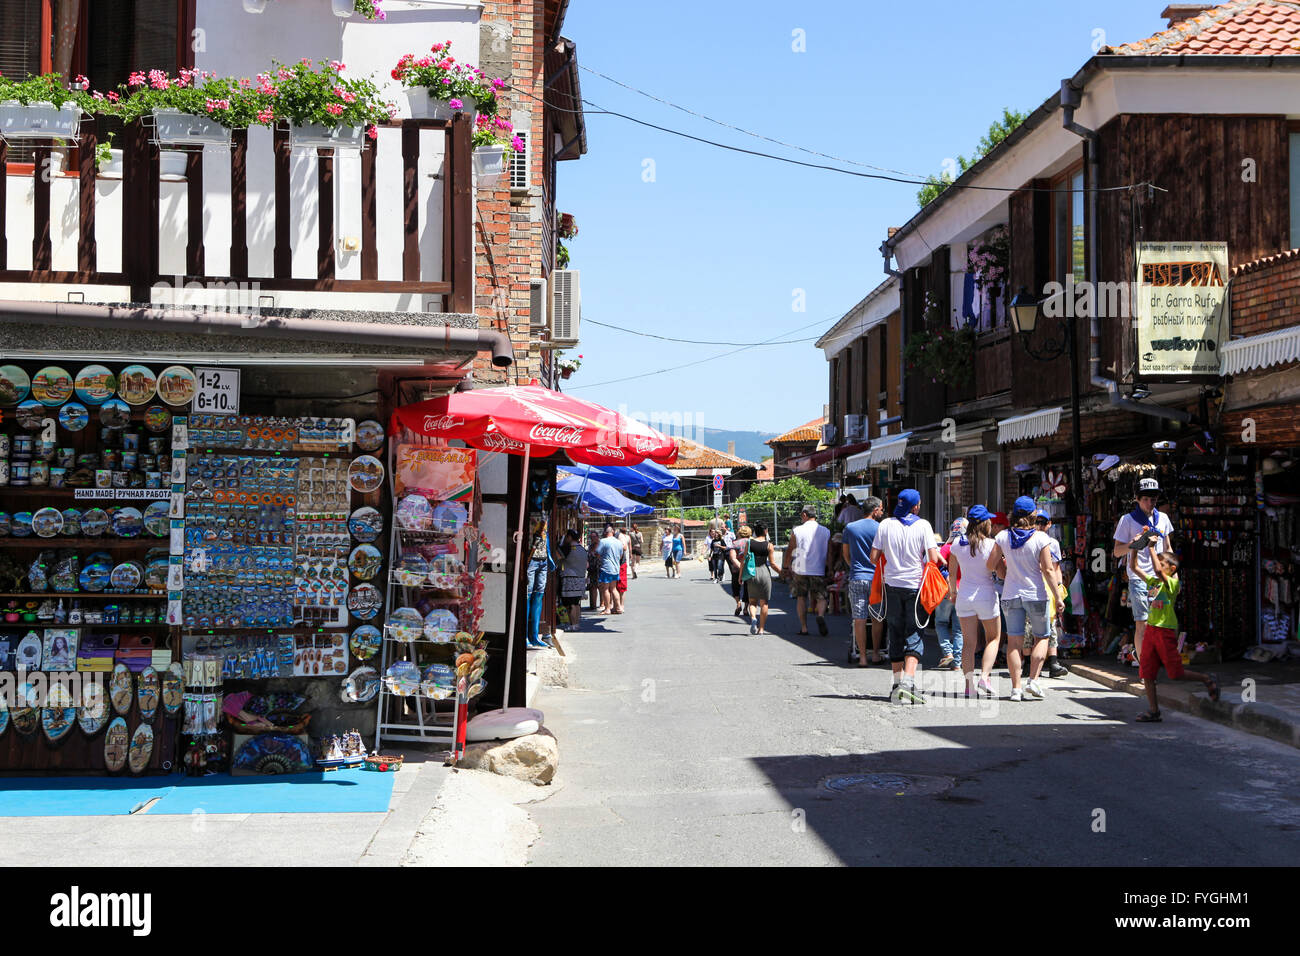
x=906, y=542
x=1144, y=530
x=973, y=589
x=1022, y=557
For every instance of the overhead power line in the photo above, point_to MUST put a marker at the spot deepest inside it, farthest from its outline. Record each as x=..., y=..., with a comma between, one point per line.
x=669, y=338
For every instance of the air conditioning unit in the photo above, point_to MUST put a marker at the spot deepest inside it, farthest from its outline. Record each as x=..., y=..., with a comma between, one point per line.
x=855, y=427
x=537, y=304
x=566, y=307
x=828, y=434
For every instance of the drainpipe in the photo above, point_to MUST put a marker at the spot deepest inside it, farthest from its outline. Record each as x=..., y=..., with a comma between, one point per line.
x=888, y=253
x=1071, y=97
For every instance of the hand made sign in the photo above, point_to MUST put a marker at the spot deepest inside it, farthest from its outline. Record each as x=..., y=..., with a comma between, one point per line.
x=1181, y=315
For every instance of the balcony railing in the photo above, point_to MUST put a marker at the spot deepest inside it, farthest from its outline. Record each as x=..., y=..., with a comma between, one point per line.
x=395, y=218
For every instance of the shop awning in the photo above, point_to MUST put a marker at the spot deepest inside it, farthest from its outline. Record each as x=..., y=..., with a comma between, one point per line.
x=646, y=478
x=882, y=451
x=1260, y=351
x=1037, y=424
x=600, y=498
x=806, y=463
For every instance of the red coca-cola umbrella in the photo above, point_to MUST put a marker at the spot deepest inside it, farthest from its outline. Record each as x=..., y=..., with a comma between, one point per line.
x=533, y=421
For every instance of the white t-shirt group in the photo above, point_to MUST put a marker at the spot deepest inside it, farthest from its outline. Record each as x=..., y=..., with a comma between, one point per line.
x=905, y=548
x=1128, y=529
x=1024, y=572
x=810, y=540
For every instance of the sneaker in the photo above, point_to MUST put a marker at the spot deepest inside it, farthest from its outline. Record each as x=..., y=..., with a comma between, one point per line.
x=1033, y=691
x=1016, y=694
x=909, y=694
x=896, y=695
x=753, y=628
x=984, y=689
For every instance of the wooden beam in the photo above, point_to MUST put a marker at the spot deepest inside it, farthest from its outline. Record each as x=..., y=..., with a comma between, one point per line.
x=410, y=203
x=4, y=205
x=239, y=204
x=87, y=249
x=41, y=248
x=282, y=257
x=462, y=216
x=325, y=219
x=369, y=212
x=194, y=196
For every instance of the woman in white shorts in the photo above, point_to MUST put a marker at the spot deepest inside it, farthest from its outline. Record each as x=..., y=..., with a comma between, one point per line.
x=975, y=598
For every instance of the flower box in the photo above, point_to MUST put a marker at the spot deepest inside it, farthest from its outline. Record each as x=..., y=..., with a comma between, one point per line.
x=316, y=136
x=425, y=106
x=174, y=128
x=39, y=121
x=489, y=165
x=113, y=167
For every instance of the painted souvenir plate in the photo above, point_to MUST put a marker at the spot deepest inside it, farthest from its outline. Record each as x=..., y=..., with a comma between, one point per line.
x=57, y=721
x=157, y=419
x=30, y=413
x=52, y=385
x=74, y=416
x=366, y=524
x=360, y=686
x=115, y=413
x=93, y=713
x=47, y=522
x=21, y=524
x=26, y=720
x=156, y=519
x=365, y=642
x=365, y=561
x=366, y=474
x=120, y=689
x=15, y=385
x=95, y=384
x=127, y=522
x=449, y=517
x=147, y=693
x=155, y=574
x=402, y=678
x=370, y=435
x=272, y=754
x=94, y=522
x=176, y=385
x=405, y=624
x=173, y=687
x=141, y=748
x=365, y=601
x=414, y=513
x=126, y=576
x=412, y=569
x=440, y=625
x=136, y=385
x=116, y=742
x=72, y=522
x=28, y=653
x=5, y=524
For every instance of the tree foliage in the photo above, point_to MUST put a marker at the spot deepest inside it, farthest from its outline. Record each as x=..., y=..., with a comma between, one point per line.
x=998, y=130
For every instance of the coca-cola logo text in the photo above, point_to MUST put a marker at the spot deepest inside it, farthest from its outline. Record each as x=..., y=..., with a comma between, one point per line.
x=606, y=452
x=556, y=435
x=495, y=441
x=439, y=423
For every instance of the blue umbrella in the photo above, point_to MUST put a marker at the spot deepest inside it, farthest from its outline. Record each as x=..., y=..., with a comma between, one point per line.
x=643, y=479
x=600, y=497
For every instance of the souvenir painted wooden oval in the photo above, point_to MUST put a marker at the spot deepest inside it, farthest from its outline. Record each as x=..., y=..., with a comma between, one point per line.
x=52, y=385
x=173, y=687
x=74, y=416
x=29, y=414
x=147, y=693
x=95, y=384
x=366, y=474
x=57, y=722
x=136, y=385
x=366, y=524
x=15, y=385
x=365, y=561
x=361, y=686
x=365, y=642
x=93, y=713
x=116, y=742
x=26, y=720
x=47, y=522
x=157, y=419
x=115, y=413
x=370, y=435
x=176, y=385
x=120, y=689
x=141, y=748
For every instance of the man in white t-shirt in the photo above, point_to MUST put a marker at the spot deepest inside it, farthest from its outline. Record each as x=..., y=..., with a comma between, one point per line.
x=1157, y=527
x=807, y=565
x=906, y=541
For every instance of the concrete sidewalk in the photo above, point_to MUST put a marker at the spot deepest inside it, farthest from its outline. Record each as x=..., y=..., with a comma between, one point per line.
x=1260, y=699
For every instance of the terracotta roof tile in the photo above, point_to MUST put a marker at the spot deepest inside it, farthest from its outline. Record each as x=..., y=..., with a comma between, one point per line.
x=810, y=431
x=694, y=455
x=1241, y=27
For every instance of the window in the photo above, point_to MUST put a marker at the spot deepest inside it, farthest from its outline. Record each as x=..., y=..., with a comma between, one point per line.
x=1068, y=226
x=127, y=35
x=1294, y=141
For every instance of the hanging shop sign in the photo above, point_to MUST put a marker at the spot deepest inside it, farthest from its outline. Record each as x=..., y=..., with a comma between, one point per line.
x=1181, y=307
x=218, y=391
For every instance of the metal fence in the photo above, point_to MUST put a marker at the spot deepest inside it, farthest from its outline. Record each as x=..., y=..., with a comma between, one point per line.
x=779, y=517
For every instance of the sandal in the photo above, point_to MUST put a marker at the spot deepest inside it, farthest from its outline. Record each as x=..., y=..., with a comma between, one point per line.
x=1212, y=687
x=1149, y=717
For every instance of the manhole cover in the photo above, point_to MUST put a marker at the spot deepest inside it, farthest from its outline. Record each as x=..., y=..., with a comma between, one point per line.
x=890, y=784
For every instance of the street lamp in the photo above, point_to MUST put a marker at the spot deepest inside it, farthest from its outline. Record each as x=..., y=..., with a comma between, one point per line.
x=1024, y=312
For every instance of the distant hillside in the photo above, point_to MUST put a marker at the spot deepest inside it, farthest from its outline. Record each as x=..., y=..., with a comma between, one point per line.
x=749, y=445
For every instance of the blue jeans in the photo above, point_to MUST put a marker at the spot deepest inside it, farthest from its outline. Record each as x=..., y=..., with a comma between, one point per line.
x=1020, y=613
x=949, y=628
x=537, y=570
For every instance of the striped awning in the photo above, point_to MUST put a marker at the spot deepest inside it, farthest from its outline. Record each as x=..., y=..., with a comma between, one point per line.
x=1037, y=424
x=1259, y=351
x=882, y=451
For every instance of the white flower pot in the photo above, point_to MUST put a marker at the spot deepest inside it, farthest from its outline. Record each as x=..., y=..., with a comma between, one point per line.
x=114, y=167
x=254, y=6
x=343, y=8
x=315, y=136
x=39, y=121
x=489, y=166
x=174, y=128
x=425, y=106
x=171, y=165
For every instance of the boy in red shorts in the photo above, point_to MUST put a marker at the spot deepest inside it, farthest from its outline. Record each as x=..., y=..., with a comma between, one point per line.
x=1160, y=643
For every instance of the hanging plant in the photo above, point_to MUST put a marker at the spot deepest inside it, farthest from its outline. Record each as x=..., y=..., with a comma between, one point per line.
x=230, y=103
x=945, y=354
x=448, y=80
x=306, y=94
x=989, y=258
x=46, y=88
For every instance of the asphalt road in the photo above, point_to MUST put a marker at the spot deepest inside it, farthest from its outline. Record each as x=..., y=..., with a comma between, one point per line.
x=685, y=740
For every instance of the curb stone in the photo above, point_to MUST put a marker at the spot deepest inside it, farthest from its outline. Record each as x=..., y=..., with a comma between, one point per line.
x=1264, y=720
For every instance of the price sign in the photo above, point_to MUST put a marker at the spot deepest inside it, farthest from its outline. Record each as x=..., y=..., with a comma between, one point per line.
x=218, y=392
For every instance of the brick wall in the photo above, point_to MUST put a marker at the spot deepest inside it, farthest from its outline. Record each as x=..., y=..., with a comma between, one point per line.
x=1275, y=426
x=1265, y=294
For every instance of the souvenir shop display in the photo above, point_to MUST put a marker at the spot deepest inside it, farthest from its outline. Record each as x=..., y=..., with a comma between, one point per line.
x=347, y=750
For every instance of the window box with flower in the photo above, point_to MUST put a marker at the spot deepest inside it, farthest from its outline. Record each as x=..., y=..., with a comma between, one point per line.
x=323, y=108
x=943, y=353
x=41, y=107
x=438, y=87
x=493, y=135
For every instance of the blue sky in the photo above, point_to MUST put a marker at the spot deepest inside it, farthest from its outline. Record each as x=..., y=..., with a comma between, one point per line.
x=719, y=244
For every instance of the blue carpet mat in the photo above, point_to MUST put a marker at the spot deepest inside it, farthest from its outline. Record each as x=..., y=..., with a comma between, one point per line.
x=341, y=791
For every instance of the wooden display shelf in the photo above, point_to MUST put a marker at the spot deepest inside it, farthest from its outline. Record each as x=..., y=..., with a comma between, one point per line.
x=45, y=491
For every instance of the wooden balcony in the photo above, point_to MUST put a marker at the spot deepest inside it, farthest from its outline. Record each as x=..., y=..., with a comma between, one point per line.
x=395, y=218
